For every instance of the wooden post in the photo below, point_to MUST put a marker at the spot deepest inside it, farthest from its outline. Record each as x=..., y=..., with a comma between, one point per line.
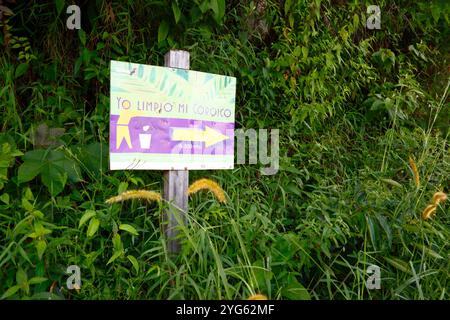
x=175, y=181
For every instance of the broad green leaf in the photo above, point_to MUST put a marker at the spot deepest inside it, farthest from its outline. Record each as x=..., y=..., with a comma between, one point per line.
x=93, y=227
x=11, y=291
x=355, y=20
x=82, y=36
x=176, y=12
x=21, y=277
x=5, y=198
x=435, y=12
x=117, y=242
x=53, y=180
x=215, y=7
x=28, y=194
x=128, y=228
x=8, y=153
x=294, y=290
x=41, y=245
x=37, y=280
x=134, y=262
x=27, y=205
x=6, y=138
x=95, y=158
x=32, y=165
x=24, y=254
x=53, y=166
x=20, y=70
x=115, y=256
x=38, y=214
x=59, y=6
x=203, y=6
x=163, y=31
x=262, y=275
x=39, y=230
x=86, y=216
x=287, y=6
x=122, y=187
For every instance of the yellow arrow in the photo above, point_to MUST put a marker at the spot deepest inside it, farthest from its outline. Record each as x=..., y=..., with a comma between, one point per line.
x=209, y=136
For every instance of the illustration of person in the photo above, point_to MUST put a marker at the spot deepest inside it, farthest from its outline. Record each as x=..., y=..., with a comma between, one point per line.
x=122, y=129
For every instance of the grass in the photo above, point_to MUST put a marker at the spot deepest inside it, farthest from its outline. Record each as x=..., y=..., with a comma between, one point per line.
x=353, y=108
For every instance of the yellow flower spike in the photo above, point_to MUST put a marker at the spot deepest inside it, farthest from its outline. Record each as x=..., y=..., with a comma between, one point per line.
x=135, y=194
x=210, y=185
x=429, y=210
x=257, y=296
x=412, y=163
x=438, y=197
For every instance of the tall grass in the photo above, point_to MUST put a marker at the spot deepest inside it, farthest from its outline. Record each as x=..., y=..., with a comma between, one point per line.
x=353, y=107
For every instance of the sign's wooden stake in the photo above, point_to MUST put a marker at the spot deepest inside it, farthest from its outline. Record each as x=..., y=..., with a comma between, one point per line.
x=175, y=181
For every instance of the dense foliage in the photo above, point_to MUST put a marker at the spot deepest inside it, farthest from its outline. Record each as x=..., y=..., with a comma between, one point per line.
x=353, y=105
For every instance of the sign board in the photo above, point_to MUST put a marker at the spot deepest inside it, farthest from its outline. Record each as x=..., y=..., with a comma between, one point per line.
x=170, y=119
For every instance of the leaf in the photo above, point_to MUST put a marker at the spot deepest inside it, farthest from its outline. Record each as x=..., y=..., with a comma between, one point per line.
x=53, y=166
x=391, y=182
x=82, y=36
x=86, y=216
x=5, y=198
x=24, y=254
x=59, y=6
x=53, y=180
x=218, y=7
x=287, y=6
x=176, y=12
x=262, y=275
x=294, y=290
x=428, y=251
x=37, y=280
x=355, y=21
x=93, y=227
x=20, y=70
x=27, y=205
x=21, y=277
x=115, y=256
x=134, y=262
x=117, y=242
x=29, y=169
x=41, y=245
x=95, y=158
x=398, y=264
x=122, y=187
x=435, y=12
x=387, y=229
x=10, y=292
x=373, y=231
x=128, y=228
x=163, y=31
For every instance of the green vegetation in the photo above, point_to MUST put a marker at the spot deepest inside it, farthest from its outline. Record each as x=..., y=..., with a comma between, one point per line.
x=352, y=105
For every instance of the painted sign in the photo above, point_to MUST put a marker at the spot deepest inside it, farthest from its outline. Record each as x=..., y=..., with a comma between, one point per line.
x=170, y=119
